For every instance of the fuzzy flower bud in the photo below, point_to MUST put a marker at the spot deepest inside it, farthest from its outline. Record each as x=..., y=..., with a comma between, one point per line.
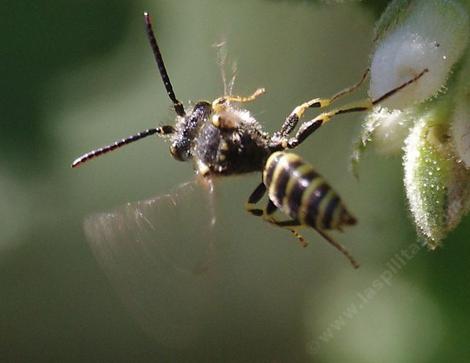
x=436, y=183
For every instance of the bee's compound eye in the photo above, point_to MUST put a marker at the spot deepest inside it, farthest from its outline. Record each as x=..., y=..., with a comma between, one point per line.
x=177, y=153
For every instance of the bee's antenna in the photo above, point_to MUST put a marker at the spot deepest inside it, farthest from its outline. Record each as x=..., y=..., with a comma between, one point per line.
x=117, y=144
x=161, y=66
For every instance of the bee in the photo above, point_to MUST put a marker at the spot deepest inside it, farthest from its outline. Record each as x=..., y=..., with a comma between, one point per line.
x=221, y=138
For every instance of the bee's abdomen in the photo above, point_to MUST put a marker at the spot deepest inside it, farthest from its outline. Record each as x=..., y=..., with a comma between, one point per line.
x=303, y=194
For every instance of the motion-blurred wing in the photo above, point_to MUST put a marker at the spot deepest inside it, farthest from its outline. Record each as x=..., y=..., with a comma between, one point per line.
x=155, y=253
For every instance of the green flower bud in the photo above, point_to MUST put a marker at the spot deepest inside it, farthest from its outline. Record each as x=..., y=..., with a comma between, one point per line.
x=436, y=183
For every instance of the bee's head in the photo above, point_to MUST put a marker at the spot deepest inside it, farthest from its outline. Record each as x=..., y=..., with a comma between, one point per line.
x=187, y=130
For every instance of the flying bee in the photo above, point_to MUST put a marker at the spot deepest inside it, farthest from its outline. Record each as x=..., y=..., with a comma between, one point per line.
x=221, y=138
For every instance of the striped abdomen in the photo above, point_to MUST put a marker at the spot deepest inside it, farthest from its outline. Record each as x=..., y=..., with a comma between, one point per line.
x=303, y=194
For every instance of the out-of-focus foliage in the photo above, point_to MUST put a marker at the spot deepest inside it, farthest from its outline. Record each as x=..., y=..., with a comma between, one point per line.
x=40, y=42
x=377, y=6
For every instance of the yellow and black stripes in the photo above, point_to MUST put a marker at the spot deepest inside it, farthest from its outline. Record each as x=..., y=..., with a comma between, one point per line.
x=294, y=187
x=303, y=194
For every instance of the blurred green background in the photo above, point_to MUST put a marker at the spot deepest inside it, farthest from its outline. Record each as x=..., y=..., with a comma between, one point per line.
x=79, y=74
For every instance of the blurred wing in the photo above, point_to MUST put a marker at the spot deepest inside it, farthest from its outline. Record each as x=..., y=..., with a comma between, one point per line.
x=155, y=253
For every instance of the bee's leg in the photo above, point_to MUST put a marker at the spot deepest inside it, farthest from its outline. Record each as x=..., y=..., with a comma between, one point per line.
x=221, y=101
x=244, y=99
x=291, y=121
x=270, y=209
x=254, y=198
x=289, y=224
x=339, y=247
x=309, y=127
x=292, y=223
x=267, y=213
